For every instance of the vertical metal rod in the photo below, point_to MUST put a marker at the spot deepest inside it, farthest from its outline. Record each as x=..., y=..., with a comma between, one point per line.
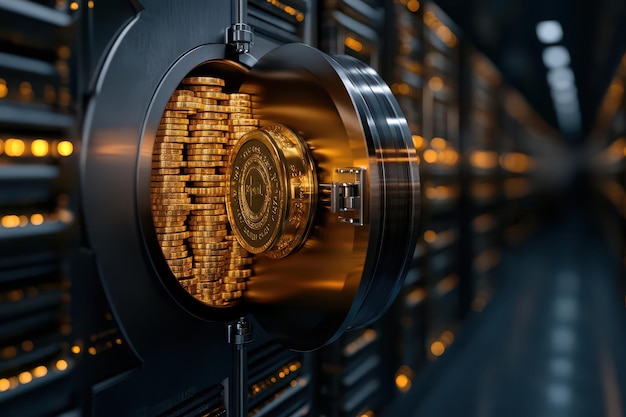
x=239, y=335
x=239, y=34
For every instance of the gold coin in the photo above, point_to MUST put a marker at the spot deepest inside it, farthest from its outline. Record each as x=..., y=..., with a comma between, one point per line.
x=207, y=158
x=174, y=120
x=244, y=115
x=165, y=171
x=209, y=207
x=237, y=103
x=172, y=244
x=212, y=81
x=231, y=295
x=160, y=224
x=209, y=228
x=177, y=178
x=207, y=132
x=175, y=114
x=185, y=98
x=206, y=164
x=168, y=164
x=211, y=246
x=172, y=132
x=241, y=128
x=206, y=239
x=233, y=280
x=218, y=140
x=184, y=105
x=170, y=229
x=164, y=146
x=209, y=116
x=212, y=127
x=174, y=254
x=240, y=273
x=168, y=156
x=209, y=177
x=206, y=190
x=214, y=150
x=243, y=122
x=201, y=171
x=172, y=126
x=239, y=96
x=196, y=146
x=202, y=184
x=177, y=139
x=200, y=200
x=171, y=214
x=181, y=262
x=178, y=206
x=208, y=101
x=157, y=190
x=182, y=92
x=216, y=95
x=234, y=287
x=174, y=236
x=238, y=262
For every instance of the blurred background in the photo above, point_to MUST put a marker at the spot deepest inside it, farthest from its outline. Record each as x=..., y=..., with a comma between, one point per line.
x=514, y=301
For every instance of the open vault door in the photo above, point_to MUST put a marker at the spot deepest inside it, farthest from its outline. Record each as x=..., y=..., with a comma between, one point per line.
x=286, y=188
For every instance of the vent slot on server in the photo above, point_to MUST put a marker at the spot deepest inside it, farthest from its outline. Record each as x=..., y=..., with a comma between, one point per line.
x=278, y=382
x=208, y=403
x=282, y=21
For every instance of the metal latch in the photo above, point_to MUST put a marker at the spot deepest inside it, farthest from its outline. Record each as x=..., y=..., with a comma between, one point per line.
x=345, y=196
x=239, y=34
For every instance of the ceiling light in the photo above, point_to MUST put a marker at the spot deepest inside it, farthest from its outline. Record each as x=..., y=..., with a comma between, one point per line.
x=555, y=56
x=561, y=78
x=549, y=31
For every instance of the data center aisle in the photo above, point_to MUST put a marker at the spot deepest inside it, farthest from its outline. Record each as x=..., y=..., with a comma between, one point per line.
x=552, y=343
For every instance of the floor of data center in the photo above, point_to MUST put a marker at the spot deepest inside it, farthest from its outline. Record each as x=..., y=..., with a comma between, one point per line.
x=551, y=343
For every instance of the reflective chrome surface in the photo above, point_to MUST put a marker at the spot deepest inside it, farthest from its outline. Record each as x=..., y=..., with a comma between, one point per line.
x=344, y=275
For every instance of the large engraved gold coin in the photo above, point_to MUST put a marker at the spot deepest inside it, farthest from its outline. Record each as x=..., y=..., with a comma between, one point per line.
x=272, y=191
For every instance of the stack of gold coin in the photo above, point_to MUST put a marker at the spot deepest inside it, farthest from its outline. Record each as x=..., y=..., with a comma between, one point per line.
x=239, y=270
x=241, y=119
x=169, y=198
x=207, y=187
x=199, y=128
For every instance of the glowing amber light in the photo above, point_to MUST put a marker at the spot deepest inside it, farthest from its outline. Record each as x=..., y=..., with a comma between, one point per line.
x=26, y=90
x=447, y=337
x=515, y=162
x=27, y=345
x=75, y=349
x=92, y=350
x=65, y=148
x=437, y=348
x=36, y=219
x=413, y=5
x=90, y=4
x=430, y=156
x=353, y=44
x=10, y=221
x=14, y=147
x=3, y=88
x=438, y=143
x=25, y=377
x=4, y=385
x=39, y=147
x=484, y=159
x=435, y=83
x=418, y=141
x=300, y=17
x=61, y=365
x=403, y=382
x=74, y=6
x=430, y=236
x=40, y=371
x=404, y=89
x=367, y=414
